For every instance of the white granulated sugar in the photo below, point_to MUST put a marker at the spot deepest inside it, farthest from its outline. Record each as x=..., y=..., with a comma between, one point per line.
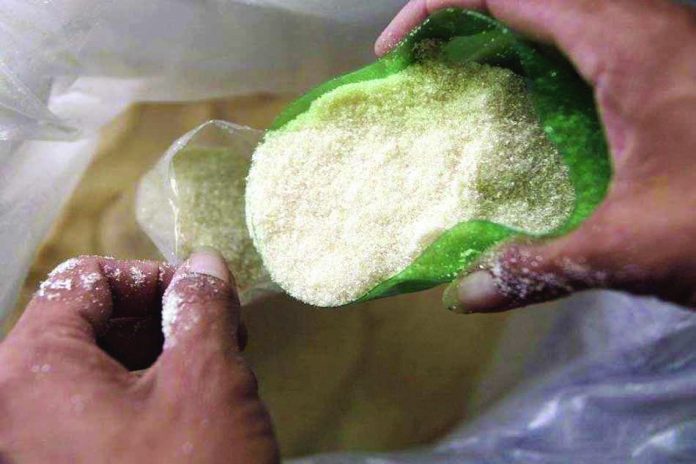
x=88, y=280
x=65, y=266
x=59, y=284
x=51, y=288
x=114, y=273
x=137, y=276
x=353, y=190
x=175, y=299
x=210, y=185
x=163, y=270
x=171, y=308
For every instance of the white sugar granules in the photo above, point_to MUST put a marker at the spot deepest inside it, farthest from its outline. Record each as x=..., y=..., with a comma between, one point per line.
x=114, y=274
x=67, y=265
x=353, y=190
x=52, y=288
x=55, y=284
x=137, y=276
x=177, y=296
x=171, y=308
x=210, y=186
x=88, y=280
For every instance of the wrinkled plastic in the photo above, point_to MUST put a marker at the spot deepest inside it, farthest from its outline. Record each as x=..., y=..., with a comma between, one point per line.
x=612, y=382
x=202, y=205
x=564, y=105
x=68, y=67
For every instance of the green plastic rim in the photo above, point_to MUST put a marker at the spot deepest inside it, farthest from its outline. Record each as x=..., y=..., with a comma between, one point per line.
x=564, y=104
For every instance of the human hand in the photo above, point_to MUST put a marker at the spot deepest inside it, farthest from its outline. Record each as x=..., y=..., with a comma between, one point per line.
x=640, y=57
x=65, y=400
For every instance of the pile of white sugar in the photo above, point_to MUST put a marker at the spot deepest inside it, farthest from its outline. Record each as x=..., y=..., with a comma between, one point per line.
x=353, y=190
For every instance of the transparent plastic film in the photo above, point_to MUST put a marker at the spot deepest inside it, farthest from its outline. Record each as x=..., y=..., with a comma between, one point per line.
x=194, y=198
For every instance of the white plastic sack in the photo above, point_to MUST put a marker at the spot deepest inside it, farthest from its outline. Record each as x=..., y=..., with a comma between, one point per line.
x=67, y=67
x=613, y=382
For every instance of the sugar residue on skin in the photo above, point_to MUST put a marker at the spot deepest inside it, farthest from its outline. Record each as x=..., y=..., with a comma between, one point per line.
x=88, y=280
x=137, y=276
x=518, y=276
x=353, y=190
x=65, y=266
x=58, y=284
x=114, y=274
x=52, y=288
x=175, y=300
x=171, y=308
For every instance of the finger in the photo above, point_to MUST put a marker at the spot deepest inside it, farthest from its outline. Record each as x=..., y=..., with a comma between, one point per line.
x=606, y=252
x=75, y=300
x=200, y=316
x=519, y=276
x=200, y=374
x=133, y=335
x=84, y=298
x=136, y=286
x=413, y=14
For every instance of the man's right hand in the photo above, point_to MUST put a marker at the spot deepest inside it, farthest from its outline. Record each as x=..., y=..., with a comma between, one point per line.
x=640, y=57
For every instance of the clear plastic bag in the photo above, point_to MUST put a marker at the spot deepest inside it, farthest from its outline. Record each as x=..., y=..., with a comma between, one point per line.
x=194, y=197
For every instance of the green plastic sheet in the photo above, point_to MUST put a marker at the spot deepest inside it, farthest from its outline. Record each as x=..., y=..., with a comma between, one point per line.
x=564, y=104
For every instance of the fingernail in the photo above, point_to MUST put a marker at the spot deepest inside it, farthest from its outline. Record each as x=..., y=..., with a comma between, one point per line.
x=386, y=42
x=381, y=45
x=208, y=261
x=475, y=293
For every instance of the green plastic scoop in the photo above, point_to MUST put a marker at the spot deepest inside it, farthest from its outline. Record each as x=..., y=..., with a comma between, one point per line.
x=564, y=105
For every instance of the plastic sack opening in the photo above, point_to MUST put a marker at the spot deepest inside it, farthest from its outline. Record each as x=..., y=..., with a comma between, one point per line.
x=611, y=381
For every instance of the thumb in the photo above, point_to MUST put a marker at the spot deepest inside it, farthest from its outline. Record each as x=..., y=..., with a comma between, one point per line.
x=200, y=309
x=521, y=274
